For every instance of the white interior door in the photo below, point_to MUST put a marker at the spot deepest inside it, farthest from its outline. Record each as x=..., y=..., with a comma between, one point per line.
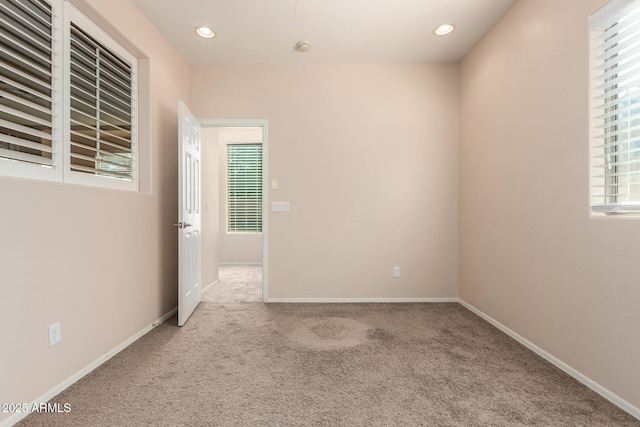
x=189, y=232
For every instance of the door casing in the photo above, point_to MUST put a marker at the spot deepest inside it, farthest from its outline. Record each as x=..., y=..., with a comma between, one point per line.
x=264, y=124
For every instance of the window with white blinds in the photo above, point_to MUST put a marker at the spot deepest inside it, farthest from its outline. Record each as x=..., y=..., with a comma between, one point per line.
x=244, y=188
x=57, y=66
x=26, y=82
x=615, y=178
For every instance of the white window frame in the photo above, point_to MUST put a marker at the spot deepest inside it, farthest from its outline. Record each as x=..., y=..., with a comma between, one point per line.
x=259, y=187
x=63, y=14
x=614, y=83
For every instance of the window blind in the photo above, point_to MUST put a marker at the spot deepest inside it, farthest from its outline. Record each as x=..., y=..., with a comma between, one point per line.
x=616, y=104
x=244, y=188
x=101, y=109
x=26, y=100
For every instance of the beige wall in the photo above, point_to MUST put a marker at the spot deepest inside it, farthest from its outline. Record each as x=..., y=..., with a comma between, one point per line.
x=100, y=262
x=210, y=206
x=531, y=256
x=367, y=156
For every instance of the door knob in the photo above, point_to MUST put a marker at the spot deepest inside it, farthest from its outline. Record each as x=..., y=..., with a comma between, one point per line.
x=182, y=225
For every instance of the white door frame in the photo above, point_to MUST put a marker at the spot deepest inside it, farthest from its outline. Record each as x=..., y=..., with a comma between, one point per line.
x=264, y=124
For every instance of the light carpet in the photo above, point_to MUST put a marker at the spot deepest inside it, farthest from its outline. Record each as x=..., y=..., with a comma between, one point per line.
x=237, y=283
x=254, y=364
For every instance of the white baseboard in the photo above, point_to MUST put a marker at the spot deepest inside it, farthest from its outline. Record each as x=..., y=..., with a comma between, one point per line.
x=357, y=300
x=228, y=264
x=612, y=397
x=87, y=369
x=215, y=282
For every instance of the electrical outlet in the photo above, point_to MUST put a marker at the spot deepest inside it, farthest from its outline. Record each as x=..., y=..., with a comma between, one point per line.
x=396, y=272
x=55, y=335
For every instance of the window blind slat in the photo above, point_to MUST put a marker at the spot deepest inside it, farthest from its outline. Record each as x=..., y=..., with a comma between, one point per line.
x=24, y=49
x=93, y=106
x=24, y=102
x=617, y=84
x=603, y=148
x=623, y=28
x=46, y=84
x=81, y=96
x=123, y=167
x=103, y=129
x=98, y=84
x=612, y=131
x=94, y=171
x=24, y=116
x=117, y=156
x=33, y=26
x=611, y=14
x=9, y=139
x=37, y=5
x=40, y=43
x=116, y=74
x=116, y=147
x=25, y=157
x=89, y=47
x=24, y=129
x=28, y=63
x=618, y=44
x=24, y=90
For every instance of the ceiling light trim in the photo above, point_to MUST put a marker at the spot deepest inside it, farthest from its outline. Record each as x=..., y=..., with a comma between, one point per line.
x=444, y=29
x=205, y=32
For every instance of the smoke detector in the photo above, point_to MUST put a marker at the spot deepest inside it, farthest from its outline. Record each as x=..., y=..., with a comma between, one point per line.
x=303, y=46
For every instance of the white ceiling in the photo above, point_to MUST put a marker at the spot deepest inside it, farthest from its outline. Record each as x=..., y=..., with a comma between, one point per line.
x=266, y=31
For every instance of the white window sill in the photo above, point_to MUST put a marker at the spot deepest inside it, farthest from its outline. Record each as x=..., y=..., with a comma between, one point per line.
x=618, y=209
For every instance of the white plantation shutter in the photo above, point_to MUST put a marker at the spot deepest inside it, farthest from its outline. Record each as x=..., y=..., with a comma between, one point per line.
x=102, y=106
x=244, y=188
x=26, y=82
x=616, y=104
x=57, y=66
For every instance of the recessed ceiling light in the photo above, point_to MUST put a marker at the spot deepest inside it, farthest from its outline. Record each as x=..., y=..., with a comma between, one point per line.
x=444, y=29
x=303, y=46
x=205, y=32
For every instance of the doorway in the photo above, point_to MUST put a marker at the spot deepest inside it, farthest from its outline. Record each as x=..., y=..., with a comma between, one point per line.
x=236, y=283
x=234, y=259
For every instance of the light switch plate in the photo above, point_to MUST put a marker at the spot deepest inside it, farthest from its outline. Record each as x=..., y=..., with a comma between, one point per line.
x=280, y=207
